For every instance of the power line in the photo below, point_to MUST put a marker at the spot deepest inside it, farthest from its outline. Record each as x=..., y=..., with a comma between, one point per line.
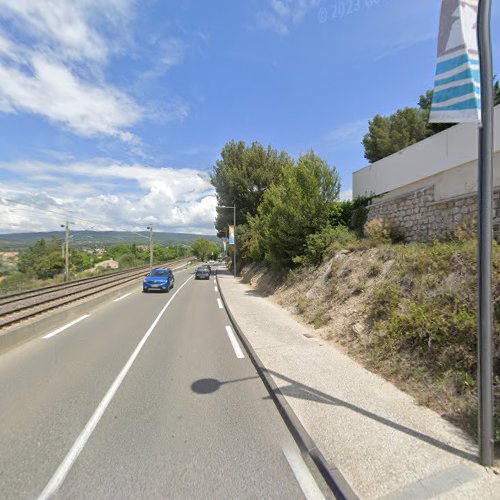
x=76, y=217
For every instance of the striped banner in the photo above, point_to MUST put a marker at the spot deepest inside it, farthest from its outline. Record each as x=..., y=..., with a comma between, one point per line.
x=457, y=87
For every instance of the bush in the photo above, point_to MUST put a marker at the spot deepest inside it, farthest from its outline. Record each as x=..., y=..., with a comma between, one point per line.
x=424, y=314
x=341, y=213
x=377, y=230
x=359, y=214
x=129, y=260
x=384, y=231
x=250, y=240
x=318, y=245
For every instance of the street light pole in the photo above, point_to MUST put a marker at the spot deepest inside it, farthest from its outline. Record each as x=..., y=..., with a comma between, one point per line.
x=485, y=310
x=150, y=227
x=234, y=223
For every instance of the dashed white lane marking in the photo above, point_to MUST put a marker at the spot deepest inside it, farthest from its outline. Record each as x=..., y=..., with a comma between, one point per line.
x=303, y=475
x=220, y=303
x=59, y=330
x=234, y=343
x=82, y=439
x=122, y=297
x=215, y=288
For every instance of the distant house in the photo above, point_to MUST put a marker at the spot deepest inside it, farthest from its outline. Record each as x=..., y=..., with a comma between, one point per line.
x=107, y=264
x=9, y=255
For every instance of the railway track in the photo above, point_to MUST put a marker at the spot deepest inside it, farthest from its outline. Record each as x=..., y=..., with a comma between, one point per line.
x=25, y=305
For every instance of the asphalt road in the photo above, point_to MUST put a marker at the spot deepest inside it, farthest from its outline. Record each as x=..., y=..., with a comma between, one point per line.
x=146, y=397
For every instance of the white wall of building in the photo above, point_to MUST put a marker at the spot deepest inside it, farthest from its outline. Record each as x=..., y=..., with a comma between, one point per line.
x=447, y=160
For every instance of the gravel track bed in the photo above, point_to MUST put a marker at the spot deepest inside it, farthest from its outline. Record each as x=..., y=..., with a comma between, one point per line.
x=36, y=304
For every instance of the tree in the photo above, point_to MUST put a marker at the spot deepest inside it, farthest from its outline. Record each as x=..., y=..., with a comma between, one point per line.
x=242, y=176
x=293, y=209
x=205, y=249
x=388, y=135
x=43, y=259
x=425, y=103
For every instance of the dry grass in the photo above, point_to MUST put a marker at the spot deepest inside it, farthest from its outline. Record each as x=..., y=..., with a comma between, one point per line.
x=407, y=312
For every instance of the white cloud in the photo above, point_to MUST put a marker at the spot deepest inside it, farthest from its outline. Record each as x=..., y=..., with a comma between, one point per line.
x=347, y=134
x=66, y=26
x=122, y=196
x=346, y=195
x=56, y=93
x=281, y=15
x=406, y=41
x=171, y=53
x=53, y=66
x=168, y=53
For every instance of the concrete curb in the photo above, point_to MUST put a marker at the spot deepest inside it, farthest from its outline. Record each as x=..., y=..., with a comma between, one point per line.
x=30, y=329
x=331, y=475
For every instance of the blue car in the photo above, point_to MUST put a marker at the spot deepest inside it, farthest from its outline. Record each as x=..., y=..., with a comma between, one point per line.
x=158, y=279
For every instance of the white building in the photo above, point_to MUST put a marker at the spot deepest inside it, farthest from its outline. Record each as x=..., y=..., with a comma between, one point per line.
x=430, y=188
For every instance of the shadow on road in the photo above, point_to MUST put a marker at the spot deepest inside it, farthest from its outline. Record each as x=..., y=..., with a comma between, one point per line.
x=301, y=391
x=209, y=385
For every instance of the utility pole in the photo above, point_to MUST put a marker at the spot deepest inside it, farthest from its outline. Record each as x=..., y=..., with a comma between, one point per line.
x=66, y=251
x=150, y=227
x=485, y=341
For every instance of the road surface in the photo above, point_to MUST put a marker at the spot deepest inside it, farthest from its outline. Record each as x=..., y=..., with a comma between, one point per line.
x=149, y=396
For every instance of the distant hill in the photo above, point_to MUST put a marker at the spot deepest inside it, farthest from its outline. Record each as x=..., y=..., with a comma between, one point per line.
x=96, y=239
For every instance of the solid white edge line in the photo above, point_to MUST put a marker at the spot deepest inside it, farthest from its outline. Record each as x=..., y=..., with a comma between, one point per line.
x=65, y=466
x=220, y=304
x=122, y=297
x=303, y=475
x=59, y=330
x=234, y=343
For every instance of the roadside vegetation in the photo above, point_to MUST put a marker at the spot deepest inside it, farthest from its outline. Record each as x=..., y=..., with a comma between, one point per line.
x=405, y=310
x=205, y=249
x=43, y=263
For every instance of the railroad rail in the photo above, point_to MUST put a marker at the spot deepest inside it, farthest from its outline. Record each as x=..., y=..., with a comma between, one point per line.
x=25, y=305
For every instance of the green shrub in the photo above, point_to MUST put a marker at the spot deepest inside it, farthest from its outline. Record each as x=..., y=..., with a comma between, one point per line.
x=425, y=317
x=129, y=260
x=320, y=320
x=385, y=300
x=302, y=304
x=341, y=213
x=359, y=214
x=318, y=245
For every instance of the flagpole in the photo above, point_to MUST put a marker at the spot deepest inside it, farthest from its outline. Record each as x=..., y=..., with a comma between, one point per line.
x=485, y=190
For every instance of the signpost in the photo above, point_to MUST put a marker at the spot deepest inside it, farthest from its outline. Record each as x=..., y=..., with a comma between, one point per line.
x=463, y=92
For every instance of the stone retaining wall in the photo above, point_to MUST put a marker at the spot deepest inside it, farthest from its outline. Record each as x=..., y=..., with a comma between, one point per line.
x=423, y=219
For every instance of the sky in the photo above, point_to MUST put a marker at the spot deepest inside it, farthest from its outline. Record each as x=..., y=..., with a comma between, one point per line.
x=113, y=112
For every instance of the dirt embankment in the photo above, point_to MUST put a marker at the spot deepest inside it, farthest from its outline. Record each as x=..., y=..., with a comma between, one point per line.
x=407, y=312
